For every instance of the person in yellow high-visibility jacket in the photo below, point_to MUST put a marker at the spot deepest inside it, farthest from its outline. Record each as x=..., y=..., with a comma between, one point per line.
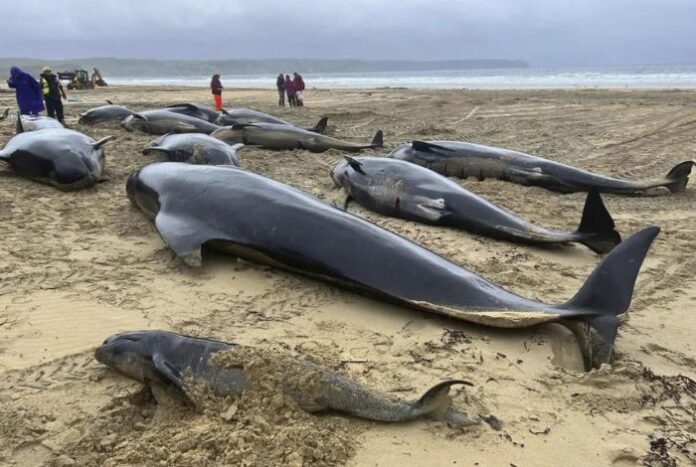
x=52, y=93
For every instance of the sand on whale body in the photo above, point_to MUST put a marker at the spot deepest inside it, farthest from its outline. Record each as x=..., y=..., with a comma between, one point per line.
x=78, y=267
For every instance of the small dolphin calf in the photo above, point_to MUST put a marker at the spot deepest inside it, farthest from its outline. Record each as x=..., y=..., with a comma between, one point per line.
x=400, y=189
x=195, y=148
x=461, y=159
x=105, y=113
x=66, y=159
x=161, y=122
x=265, y=221
x=173, y=362
x=278, y=136
x=246, y=116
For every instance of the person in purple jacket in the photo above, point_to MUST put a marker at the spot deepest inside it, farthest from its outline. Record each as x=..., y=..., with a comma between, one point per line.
x=28, y=92
x=299, y=88
x=290, y=90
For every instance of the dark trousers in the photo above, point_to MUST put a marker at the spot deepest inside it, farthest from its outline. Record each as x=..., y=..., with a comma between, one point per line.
x=281, y=97
x=54, y=107
x=291, y=100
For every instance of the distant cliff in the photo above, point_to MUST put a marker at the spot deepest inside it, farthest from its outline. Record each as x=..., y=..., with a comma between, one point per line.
x=123, y=67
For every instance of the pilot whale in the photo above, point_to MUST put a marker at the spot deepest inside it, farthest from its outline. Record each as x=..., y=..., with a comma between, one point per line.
x=265, y=221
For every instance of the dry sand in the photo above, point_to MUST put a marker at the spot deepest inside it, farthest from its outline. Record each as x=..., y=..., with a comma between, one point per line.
x=77, y=267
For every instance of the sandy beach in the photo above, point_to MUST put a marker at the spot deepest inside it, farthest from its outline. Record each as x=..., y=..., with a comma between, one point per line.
x=78, y=267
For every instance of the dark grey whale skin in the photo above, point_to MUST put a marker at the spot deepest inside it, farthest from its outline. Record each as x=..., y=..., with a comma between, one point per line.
x=246, y=116
x=162, y=122
x=195, y=110
x=278, y=136
x=462, y=159
x=66, y=159
x=172, y=361
x=400, y=189
x=195, y=148
x=268, y=222
x=105, y=113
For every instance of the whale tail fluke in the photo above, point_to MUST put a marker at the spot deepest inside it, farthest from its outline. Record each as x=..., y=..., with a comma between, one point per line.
x=436, y=401
x=606, y=294
x=320, y=127
x=678, y=177
x=597, y=225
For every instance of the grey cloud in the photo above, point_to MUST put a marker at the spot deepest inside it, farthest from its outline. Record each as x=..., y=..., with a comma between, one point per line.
x=544, y=32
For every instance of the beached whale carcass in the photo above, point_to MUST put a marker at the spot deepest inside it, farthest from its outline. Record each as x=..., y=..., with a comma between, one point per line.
x=462, y=159
x=105, y=113
x=195, y=110
x=35, y=123
x=66, y=159
x=277, y=136
x=246, y=116
x=195, y=148
x=400, y=189
x=161, y=122
x=175, y=362
x=265, y=221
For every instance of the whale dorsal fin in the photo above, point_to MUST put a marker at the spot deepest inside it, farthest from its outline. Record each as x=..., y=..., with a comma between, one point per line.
x=424, y=146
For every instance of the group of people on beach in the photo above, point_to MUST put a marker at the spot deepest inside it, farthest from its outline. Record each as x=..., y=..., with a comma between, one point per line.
x=293, y=87
x=33, y=97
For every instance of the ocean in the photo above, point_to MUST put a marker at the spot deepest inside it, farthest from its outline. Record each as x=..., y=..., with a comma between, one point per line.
x=653, y=77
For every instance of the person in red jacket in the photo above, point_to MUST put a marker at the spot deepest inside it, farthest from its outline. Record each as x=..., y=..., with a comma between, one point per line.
x=290, y=90
x=216, y=88
x=299, y=89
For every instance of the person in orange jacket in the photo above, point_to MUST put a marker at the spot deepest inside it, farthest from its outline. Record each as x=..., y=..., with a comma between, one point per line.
x=216, y=88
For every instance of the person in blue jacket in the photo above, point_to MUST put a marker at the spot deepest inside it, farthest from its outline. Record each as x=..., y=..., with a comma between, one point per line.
x=28, y=92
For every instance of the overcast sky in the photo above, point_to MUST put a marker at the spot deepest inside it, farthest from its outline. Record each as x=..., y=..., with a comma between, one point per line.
x=543, y=32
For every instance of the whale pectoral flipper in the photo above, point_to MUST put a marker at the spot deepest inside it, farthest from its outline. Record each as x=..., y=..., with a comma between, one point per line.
x=170, y=376
x=592, y=313
x=435, y=208
x=184, y=238
x=355, y=164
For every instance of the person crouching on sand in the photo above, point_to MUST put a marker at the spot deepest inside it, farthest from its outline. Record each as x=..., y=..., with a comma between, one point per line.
x=290, y=89
x=216, y=88
x=28, y=92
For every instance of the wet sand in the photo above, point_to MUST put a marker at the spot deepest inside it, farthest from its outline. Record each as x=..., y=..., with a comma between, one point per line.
x=78, y=267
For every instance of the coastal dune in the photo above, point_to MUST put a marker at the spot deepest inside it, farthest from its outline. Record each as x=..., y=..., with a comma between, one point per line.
x=78, y=267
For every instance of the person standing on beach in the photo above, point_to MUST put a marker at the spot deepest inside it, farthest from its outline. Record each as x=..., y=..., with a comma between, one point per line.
x=28, y=92
x=280, y=84
x=53, y=94
x=299, y=88
x=290, y=89
x=216, y=88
